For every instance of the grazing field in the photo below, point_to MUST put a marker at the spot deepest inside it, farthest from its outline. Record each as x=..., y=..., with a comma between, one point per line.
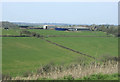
x=27, y=54
x=94, y=46
x=11, y=32
x=53, y=32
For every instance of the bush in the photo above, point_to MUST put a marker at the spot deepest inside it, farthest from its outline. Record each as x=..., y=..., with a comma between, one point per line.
x=107, y=57
x=6, y=77
x=69, y=77
x=110, y=30
x=101, y=77
x=47, y=68
x=26, y=74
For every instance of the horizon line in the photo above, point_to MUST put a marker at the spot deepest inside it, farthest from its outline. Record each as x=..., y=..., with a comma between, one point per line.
x=59, y=23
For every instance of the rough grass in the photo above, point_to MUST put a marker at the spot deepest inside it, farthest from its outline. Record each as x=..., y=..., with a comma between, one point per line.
x=92, y=71
x=101, y=76
x=98, y=76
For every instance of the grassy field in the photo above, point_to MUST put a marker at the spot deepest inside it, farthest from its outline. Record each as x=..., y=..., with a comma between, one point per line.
x=22, y=54
x=93, y=46
x=53, y=32
x=11, y=32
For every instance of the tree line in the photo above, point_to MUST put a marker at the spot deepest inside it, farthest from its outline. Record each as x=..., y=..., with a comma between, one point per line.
x=6, y=24
x=109, y=29
x=28, y=33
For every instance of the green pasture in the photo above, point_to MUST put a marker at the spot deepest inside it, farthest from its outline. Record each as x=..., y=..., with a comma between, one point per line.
x=11, y=32
x=94, y=46
x=22, y=54
x=54, y=32
x=27, y=54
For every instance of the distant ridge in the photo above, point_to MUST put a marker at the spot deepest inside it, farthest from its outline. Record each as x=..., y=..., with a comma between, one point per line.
x=23, y=23
x=61, y=24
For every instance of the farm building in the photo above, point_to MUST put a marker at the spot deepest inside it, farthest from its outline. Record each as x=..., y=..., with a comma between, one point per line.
x=82, y=29
x=61, y=29
x=23, y=27
x=73, y=29
x=49, y=27
x=35, y=28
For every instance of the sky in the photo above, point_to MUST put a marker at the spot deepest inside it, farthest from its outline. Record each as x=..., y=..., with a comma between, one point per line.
x=61, y=12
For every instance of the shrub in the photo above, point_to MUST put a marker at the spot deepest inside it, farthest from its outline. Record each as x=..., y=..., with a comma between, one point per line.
x=26, y=74
x=107, y=57
x=47, y=68
x=6, y=77
x=101, y=77
x=69, y=77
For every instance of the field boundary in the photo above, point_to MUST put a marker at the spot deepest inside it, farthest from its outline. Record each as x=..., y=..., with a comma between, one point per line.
x=13, y=36
x=53, y=36
x=43, y=38
x=75, y=36
x=69, y=49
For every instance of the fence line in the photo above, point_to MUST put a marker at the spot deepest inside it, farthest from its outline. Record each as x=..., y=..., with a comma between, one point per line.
x=75, y=36
x=13, y=36
x=69, y=49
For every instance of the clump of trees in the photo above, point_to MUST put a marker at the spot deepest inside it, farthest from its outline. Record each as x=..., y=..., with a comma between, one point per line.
x=28, y=33
x=109, y=29
x=6, y=24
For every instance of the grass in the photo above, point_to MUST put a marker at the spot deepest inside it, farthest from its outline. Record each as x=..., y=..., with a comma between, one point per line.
x=11, y=32
x=92, y=71
x=26, y=54
x=22, y=55
x=99, y=76
x=53, y=32
x=93, y=46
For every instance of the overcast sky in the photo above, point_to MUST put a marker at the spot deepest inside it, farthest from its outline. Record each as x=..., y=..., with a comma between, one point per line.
x=61, y=12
